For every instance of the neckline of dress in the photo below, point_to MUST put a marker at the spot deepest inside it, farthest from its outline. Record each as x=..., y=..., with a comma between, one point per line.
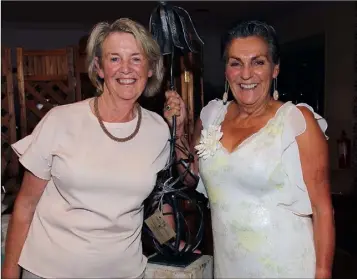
x=113, y=125
x=239, y=146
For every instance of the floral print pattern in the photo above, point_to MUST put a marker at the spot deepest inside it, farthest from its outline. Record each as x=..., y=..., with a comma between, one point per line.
x=209, y=142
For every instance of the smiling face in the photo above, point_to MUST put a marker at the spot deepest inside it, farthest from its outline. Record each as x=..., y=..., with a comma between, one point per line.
x=250, y=70
x=124, y=66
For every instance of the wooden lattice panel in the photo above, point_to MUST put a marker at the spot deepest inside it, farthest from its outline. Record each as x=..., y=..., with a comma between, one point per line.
x=8, y=121
x=46, y=79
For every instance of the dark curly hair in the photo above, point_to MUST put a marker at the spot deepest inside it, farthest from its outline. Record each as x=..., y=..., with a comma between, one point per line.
x=255, y=28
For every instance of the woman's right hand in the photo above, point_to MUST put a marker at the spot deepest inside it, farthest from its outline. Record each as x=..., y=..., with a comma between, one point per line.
x=174, y=105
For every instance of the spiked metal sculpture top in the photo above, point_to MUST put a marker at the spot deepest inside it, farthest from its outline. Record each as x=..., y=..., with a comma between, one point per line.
x=172, y=27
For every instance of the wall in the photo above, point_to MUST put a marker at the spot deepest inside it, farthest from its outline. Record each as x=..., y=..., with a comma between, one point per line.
x=58, y=35
x=41, y=36
x=336, y=20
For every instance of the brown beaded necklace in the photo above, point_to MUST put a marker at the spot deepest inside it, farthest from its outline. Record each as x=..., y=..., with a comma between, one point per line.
x=100, y=120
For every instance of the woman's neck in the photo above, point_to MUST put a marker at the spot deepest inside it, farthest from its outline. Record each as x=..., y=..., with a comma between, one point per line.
x=251, y=111
x=114, y=109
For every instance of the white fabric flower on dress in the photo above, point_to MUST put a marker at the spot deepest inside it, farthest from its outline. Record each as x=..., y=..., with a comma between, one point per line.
x=209, y=142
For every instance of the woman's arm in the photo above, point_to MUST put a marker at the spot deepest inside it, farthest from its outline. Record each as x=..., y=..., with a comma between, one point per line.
x=182, y=141
x=313, y=151
x=176, y=106
x=26, y=201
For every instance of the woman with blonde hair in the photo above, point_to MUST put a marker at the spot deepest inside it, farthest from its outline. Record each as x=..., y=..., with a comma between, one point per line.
x=90, y=165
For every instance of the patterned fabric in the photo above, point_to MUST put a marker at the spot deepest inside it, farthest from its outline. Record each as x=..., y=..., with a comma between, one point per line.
x=259, y=201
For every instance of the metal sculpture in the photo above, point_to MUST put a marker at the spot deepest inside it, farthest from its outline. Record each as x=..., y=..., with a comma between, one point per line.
x=172, y=27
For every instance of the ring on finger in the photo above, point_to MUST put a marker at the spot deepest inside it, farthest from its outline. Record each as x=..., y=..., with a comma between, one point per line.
x=168, y=107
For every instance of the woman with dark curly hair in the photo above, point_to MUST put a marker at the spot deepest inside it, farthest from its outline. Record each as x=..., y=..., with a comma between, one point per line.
x=264, y=165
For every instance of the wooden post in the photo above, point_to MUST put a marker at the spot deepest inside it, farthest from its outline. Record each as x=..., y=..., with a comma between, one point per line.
x=8, y=120
x=77, y=82
x=71, y=78
x=21, y=88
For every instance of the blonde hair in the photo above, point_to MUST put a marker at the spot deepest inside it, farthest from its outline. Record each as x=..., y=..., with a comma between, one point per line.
x=150, y=48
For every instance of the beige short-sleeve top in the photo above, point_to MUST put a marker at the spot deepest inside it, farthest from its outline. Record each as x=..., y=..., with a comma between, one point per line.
x=88, y=221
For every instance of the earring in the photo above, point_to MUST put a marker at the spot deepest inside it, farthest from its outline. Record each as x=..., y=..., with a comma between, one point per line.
x=275, y=92
x=225, y=94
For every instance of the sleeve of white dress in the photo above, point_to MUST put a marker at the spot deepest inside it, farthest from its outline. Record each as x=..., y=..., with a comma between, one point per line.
x=35, y=151
x=208, y=115
x=296, y=198
x=209, y=112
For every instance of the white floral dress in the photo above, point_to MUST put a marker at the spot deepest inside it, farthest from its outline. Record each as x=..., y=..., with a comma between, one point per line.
x=259, y=202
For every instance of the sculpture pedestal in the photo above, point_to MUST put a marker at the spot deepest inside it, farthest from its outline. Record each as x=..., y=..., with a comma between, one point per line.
x=201, y=268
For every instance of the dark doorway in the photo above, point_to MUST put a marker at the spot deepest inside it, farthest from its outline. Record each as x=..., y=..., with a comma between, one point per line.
x=302, y=72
